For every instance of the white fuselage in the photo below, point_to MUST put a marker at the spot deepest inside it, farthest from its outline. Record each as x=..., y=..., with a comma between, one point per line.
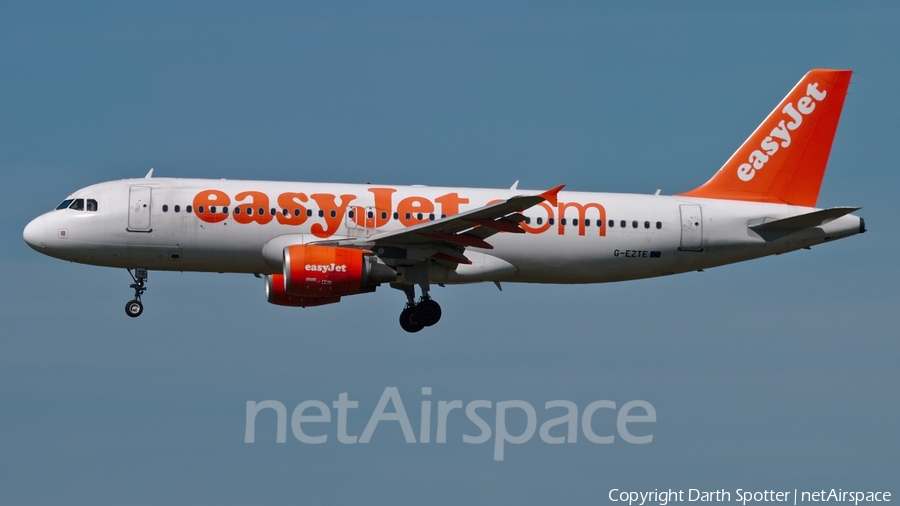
x=136, y=225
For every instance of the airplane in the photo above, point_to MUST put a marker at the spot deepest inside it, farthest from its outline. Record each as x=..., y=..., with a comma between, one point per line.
x=315, y=243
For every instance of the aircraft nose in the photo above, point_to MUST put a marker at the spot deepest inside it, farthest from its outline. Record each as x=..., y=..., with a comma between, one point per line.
x=35, y=233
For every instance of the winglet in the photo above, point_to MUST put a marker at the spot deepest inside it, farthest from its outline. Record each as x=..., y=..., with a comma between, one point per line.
x=149, y=174
x=550, y=195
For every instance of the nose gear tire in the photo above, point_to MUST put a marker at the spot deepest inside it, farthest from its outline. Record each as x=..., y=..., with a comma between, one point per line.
x=134, y=308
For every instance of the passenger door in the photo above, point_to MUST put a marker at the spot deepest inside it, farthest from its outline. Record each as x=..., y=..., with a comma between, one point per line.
x=691, y=228
x=139, y=208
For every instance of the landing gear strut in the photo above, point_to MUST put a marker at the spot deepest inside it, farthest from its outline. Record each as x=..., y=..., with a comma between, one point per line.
x=134, y=308
x=418, y=315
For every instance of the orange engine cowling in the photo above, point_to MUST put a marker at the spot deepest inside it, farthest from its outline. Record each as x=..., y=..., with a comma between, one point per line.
x=275, y=294
x=329, y=271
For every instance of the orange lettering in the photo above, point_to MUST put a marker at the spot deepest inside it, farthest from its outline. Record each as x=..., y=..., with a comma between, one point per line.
x=409, y=207
x=334, y=213
x=296, y=212
x=450, y=203
x=540, y=228
x=257, y=210
x=582, y=209
x=207, y=199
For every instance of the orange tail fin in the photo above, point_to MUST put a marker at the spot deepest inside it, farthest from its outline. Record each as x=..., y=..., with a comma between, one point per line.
x=784, y=160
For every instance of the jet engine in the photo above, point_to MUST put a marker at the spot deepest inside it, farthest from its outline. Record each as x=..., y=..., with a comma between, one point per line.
x=331, y=271
x=275, y=294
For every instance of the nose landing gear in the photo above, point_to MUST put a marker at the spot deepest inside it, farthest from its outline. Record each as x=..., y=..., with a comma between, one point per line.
x=134, y=308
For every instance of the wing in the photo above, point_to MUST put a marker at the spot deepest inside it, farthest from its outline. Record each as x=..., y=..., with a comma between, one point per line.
x=446, y=239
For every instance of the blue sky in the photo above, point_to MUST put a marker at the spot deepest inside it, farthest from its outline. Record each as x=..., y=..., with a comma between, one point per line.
x=774, y=374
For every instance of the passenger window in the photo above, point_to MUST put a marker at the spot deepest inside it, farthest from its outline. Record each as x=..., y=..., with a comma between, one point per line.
x=612, y=223
x=188, y=208
x=309, y=212
x=396, y=216
x=370, y=215
x=587, y=223
x=91, y=205
x=527, y=220
x=419, y=216
x=634, y=224
x=225, y=210
x=199, y=209
x=165, y=208
x=383, y=215
x=431, y=216
x=177, y=209
x=333, y=214
x=562, y=221
x=540, y=221
x=273, y=212
x=408, y=216
x=77, y=204
x=261, y=211
x=658, y=225
x=237, y=210
x=64, y=204
x=297, y=212
x=550, y=221
x=321, y=213
x=622, y=224
x=574, y=222
x=350, y=214
x=646, y=224
x=212, y=209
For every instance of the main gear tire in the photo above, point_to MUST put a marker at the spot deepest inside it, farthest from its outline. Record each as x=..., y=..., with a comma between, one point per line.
x=428, y=312
x=409, y=322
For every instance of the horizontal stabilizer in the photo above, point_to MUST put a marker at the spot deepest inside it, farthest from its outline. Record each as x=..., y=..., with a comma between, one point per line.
x=802, y=221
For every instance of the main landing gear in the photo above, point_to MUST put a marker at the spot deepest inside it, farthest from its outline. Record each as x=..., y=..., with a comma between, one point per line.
x=418, y=315
x=134, y=308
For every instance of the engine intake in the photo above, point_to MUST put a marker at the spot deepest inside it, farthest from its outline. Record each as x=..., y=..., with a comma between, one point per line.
x=329, y=271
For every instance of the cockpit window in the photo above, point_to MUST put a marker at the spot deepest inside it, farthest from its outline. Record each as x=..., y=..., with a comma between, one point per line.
x=78, y=204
